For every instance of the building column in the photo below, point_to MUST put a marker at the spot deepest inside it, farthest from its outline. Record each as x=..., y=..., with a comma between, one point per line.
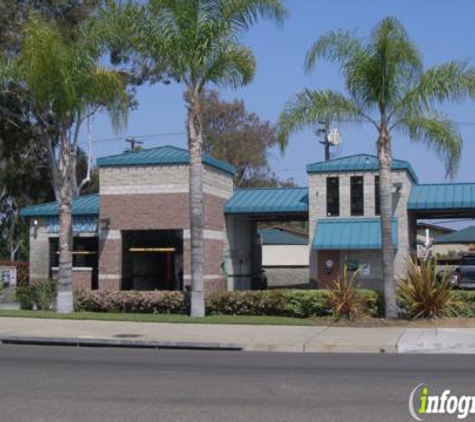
x=110, y=260
x=39, y=251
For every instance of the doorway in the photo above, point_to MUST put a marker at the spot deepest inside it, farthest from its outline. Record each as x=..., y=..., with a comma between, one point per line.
x=152, y=260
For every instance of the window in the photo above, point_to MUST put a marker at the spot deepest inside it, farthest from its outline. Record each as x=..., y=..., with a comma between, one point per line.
x=357, y=195
x=333, y=196
x=377, y=207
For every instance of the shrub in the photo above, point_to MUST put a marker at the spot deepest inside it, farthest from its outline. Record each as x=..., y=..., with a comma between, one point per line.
x=307, y=303
x=44, y=294
x=344, y=298
x=424, y=294
x=252, y=302
x=292, y=303
x=468, y=298
x=163, y=302
x=41, y=294
x=24, y=295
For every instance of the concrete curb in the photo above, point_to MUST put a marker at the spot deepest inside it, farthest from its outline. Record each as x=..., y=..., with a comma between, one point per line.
x=135, y=344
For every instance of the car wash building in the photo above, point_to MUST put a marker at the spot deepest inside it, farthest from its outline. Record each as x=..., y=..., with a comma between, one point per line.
x=135, y=233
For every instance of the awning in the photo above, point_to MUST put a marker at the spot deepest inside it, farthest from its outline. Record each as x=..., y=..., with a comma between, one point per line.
x=350, y=233
x=464, y=237
x=82, y=205
x=268, y=200
x=442, y=196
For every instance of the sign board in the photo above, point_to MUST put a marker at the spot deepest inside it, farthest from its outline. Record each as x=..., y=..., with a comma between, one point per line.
x=365, y=269
x=8, y=276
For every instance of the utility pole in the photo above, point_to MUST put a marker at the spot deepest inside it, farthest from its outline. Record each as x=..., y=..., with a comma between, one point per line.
x=134, y=144
x=323, y=131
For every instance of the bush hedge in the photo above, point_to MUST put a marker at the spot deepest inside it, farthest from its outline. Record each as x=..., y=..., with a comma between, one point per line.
x=158, y=302
x=291, y=303
x=468, y=297
x=41, y=295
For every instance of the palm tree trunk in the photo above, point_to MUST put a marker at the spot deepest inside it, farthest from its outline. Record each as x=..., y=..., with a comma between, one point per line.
x=65, y=302
x=386, y=207
x=195, y=142
x=62, y=184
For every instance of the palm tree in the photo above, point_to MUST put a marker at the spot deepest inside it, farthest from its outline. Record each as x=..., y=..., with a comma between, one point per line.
x=66, y=86
x=388, y=87
x=199, y=45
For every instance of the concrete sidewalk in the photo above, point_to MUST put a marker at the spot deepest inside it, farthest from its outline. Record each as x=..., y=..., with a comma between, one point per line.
x=238, y=337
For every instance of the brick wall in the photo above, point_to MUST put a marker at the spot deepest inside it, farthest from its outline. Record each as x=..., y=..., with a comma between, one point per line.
x=157, y=198
x=82, y=278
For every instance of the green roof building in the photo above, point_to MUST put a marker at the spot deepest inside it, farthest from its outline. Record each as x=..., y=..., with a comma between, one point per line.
x=135, y=232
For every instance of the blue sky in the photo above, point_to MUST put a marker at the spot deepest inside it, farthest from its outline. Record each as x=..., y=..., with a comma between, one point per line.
x=442, y=29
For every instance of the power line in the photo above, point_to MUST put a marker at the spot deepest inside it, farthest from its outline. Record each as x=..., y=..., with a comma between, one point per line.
x=150, y=135
x=170, y=134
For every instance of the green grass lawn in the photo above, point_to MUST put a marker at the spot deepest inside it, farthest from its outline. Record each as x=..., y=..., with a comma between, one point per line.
x=213, y=319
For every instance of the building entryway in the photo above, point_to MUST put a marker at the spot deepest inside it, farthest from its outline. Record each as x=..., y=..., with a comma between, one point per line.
x=152, y=260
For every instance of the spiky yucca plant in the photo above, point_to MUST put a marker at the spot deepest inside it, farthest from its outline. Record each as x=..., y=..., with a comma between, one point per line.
x=424, y=294
x=344, y=298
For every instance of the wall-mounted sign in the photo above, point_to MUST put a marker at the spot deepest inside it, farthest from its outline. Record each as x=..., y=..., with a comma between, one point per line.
x=365, y=269
x=8, y=276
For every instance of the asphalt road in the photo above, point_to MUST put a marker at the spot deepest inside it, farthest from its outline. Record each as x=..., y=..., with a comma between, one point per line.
x=65, y=384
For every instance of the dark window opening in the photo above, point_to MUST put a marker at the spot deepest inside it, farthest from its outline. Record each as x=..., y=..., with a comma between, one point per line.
x=357, y=195
x=85, y=254
x=152, y=260
x=377, y=202
x=333, y=196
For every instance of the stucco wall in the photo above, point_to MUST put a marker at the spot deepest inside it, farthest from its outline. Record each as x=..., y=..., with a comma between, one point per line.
x=238, y=253
x=284, y=255
x=374, y=279
x=286, y=276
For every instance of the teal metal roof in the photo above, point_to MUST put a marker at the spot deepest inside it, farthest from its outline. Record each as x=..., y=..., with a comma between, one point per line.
x=464, y=237
x=442, y=196
x=281, y=237
x=350, y=233
x=82, y=205
x=267, y=200
x=164, y=155
x=359, y=162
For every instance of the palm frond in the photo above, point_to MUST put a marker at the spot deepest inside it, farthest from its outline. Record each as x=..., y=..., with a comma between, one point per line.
x=453, y=81
x=340, y=47
x=8, y=72
x=63, y=75
x=309, y=107
x=439, y=133
x=242, y=14
x=235, y=66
